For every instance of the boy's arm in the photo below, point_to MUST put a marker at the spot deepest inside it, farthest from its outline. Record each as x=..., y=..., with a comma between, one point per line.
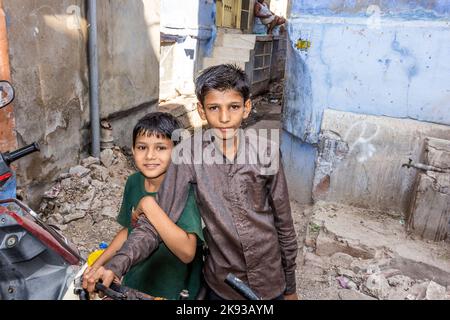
x=279, y=200
x=141, y=242
x=180, y=242
x=144, y=239
x=114, y=246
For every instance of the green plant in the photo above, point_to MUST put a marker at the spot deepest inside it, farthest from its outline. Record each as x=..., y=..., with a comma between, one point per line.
x=313, y=227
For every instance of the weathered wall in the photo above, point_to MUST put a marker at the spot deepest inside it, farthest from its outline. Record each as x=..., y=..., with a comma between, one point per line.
x=384, y=58
x=406, y=8
x=360, y=159
x=429, y=211
x=394, y=67
x=129, y=50
x=48, y=52
x=298, y=160
x=49, y=73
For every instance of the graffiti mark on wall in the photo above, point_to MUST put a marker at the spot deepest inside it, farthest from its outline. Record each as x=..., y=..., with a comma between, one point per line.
x=303, y=45
x=362, y=133
x=74, y=20
x=304, y=41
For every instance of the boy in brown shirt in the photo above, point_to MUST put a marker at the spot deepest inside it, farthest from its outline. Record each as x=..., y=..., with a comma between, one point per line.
x=241, y=193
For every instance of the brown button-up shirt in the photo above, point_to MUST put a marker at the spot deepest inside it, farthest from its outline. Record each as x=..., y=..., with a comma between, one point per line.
x=245, y=206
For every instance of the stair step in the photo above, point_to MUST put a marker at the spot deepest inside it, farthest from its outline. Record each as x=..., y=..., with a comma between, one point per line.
x=237, y=54
x=240, y=41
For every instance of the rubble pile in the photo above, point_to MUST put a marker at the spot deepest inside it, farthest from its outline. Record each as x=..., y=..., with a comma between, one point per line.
x=355, y=278
x=276, y=91
x=355, y=259
x=274, y=95
x=84, y=202
x=266, y=106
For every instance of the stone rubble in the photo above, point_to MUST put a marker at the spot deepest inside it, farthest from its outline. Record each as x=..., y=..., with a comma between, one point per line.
x=346, y=270
x=369, y=281
x=84, y=202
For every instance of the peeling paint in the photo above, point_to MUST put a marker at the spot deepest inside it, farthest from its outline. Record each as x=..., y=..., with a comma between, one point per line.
x=332, y=150
x=363, y=157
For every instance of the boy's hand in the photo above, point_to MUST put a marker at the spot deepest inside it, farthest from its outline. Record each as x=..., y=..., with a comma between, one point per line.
x=87, y=271
x=144, y=203
x=135, y=215
x=93, y=275
x=292, y=296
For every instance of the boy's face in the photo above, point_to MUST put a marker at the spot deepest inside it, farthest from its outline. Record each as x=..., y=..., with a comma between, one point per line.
x=152, y=155
x=224, y=111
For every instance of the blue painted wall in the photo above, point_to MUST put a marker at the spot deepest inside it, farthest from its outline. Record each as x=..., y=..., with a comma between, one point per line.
x=409, y=9
x=298, y=159
x=389, y=58
x=396, y=66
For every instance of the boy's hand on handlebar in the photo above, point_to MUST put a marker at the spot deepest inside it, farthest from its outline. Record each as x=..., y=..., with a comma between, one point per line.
x=93, y=275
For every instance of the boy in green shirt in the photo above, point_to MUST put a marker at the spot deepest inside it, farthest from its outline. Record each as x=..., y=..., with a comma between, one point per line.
x=177, y=262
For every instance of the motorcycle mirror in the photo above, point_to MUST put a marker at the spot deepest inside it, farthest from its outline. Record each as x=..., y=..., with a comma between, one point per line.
x=6, y=93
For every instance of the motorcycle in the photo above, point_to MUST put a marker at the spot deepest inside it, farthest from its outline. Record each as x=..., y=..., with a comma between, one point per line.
x=36, y=261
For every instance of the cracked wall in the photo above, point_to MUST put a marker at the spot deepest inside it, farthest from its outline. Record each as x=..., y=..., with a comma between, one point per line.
x=332, y=150
x=429, y=214
x=360, y=159
x=48, y=53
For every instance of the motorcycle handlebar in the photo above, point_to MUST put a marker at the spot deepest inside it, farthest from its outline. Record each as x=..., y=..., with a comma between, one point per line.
x=113, y=294
x=10, y=157
x=119, y=292
x=241, y=287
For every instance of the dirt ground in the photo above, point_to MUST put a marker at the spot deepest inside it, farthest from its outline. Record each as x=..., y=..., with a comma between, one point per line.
x=350, y=253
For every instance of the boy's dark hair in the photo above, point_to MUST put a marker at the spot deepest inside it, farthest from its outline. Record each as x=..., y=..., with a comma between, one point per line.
x=159, y=124
x=222, y=77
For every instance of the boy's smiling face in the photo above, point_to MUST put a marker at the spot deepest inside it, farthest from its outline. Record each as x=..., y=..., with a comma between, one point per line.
x=152, y=155
x=224, y=111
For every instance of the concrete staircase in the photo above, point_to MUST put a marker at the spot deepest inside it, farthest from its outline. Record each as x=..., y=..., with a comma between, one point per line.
x=231, y=48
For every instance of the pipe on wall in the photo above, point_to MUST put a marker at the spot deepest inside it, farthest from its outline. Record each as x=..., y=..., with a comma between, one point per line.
x=93, y=78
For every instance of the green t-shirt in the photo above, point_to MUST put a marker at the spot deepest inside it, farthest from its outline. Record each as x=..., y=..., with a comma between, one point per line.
x=162, y=274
